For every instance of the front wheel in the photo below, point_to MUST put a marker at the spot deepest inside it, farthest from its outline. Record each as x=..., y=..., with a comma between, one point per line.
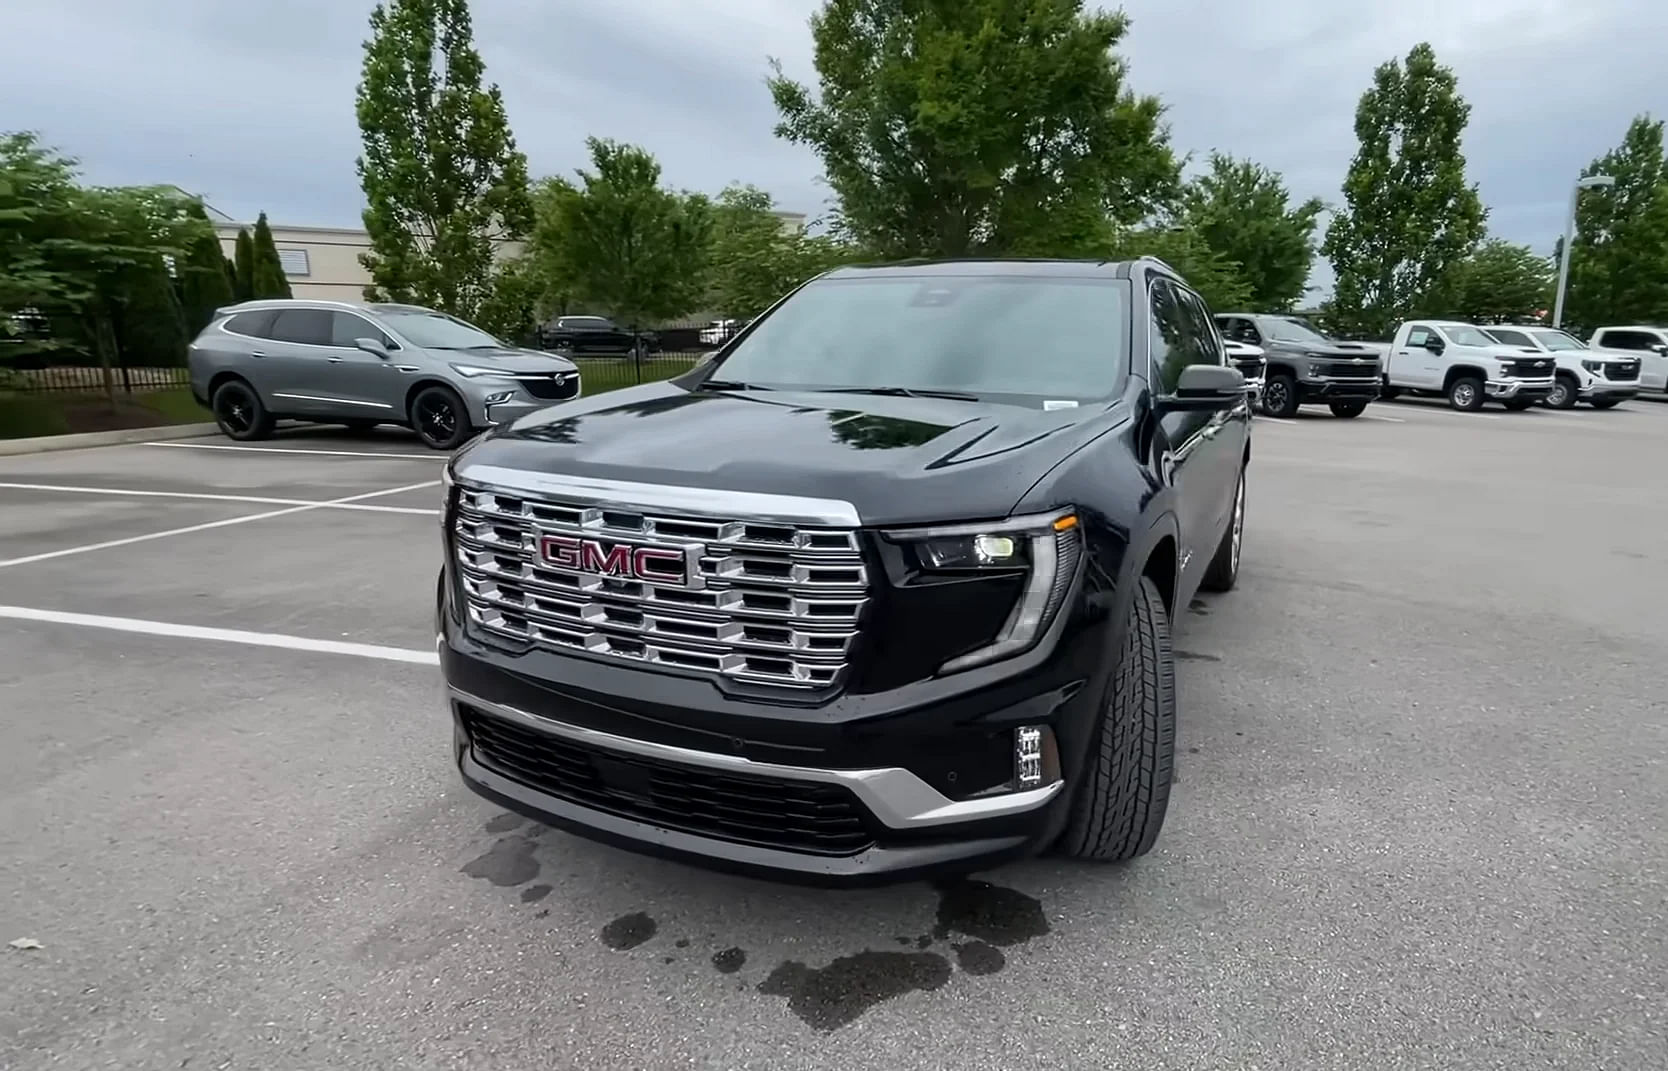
x=238, y=412
x=1564, y=393
x=1125, y=788
x=1466, y=394
x=1223, y=571
x=1518, y=405
x=1280, y=397
x=1606, y=403
x=1347, y=410
x=439, y=417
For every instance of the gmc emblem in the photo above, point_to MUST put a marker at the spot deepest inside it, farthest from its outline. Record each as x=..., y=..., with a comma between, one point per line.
x=625, y=561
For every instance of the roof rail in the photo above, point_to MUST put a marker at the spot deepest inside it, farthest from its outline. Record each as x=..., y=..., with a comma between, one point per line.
x=1155, y=260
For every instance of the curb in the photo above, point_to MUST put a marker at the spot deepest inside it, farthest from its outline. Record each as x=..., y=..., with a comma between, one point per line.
x=44, y=443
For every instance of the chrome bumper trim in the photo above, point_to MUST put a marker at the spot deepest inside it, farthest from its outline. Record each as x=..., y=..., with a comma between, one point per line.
x=896, y=797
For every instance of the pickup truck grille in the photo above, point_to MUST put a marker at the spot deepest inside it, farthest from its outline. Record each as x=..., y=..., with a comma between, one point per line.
x=1533, y=368
x=1621, y=371
x=1351, y=370
x=762, y=603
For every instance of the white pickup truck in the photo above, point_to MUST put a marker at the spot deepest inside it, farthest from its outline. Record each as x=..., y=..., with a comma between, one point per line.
x=1461, y=362
x=1602, y=381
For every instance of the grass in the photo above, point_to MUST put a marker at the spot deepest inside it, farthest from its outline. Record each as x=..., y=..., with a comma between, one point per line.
x=599, y=374
x=26, y=415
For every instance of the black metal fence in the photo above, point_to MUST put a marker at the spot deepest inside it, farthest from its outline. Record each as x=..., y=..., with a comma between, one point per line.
x=32, y=375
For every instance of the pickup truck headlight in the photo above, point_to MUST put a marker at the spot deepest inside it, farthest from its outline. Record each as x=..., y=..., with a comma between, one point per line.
x=1592, y=366
x=1046, y=547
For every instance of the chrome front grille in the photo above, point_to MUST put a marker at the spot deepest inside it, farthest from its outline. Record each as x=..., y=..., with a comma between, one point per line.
x=761, y=602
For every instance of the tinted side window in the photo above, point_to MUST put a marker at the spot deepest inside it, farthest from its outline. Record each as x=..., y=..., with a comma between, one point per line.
x=1175, y=336
x=253, y=324
x=1206, y=341
x=1512, y=338
x=309, y=326
x=346, y=329
x=1628, y=340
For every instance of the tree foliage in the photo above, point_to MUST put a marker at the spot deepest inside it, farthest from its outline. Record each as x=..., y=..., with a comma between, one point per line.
x=1216, y=278
x=443, y=180
x=267, y=279
x=960, y=127
x=1409, y=214
x=1619, y=260
x=1241, y=211
x=755, y=259
x=204, y=284
x=244, y=265
x=1502, y=282
x=150, y=325
x=620, y=242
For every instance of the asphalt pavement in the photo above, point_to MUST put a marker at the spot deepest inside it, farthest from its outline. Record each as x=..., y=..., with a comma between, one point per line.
x=1422, y=817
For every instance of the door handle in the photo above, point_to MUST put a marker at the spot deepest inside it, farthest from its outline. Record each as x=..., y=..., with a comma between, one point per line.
x=257, y=353
x=335, y=360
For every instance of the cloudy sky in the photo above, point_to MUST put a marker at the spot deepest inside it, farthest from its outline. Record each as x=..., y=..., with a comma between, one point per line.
x=250, y=102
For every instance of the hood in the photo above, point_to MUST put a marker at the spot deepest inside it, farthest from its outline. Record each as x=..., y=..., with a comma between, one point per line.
x=507, y=358
x=897, y=460
x=1343, y=351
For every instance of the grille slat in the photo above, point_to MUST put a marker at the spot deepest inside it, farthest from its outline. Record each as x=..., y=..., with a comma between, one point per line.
x=1621, y=371
x=750, y=809
x=766, y=603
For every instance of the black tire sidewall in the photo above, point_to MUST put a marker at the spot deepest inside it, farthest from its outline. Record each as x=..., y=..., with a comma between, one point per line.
x=1287, y=411
x=258, y=418
x=1348, y=410
x=1572, y=394
x=461, y=431
x=1476, y=394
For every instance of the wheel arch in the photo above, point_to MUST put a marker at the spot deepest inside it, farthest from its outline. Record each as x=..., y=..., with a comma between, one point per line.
x=1462, y=371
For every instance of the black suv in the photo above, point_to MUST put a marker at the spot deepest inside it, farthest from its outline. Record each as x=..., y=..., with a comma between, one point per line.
x=883, y=588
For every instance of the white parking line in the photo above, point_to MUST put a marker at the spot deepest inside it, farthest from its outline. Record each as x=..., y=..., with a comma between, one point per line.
x=259, y=500
x=1275, y=420
x=213, y=524
x=297, y=450
x=223, y=635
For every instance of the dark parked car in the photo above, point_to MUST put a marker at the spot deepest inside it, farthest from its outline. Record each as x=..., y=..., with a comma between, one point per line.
x=1304, y=366
x=865, y=596
x=594, y=336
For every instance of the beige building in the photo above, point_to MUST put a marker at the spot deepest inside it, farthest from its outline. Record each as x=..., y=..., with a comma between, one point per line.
x=323, y=262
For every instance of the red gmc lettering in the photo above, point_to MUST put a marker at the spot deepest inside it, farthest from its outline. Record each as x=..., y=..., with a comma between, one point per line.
x=610, y=561
x=651, y=563
x=560, y=551
x=620, y=559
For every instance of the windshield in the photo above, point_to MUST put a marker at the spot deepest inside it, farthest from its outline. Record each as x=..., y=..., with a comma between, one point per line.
x=1015, y=335
x=1465, y=335
x=1286, y=330
x=437, y=331
x=1558, y=340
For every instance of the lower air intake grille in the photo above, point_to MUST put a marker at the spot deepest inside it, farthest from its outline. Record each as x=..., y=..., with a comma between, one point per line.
x=769, y=812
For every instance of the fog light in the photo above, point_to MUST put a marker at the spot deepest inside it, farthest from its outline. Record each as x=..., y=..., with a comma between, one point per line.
x=1028, y=756
x=501, y=396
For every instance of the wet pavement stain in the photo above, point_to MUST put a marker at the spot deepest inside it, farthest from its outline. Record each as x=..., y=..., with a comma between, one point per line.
x=1194, y=656
x=827, y=998
x=988, y=913
x=978, y=958
x=729, y=961
x=683, y=942
x=628, y=931
x=1200, y=607
x=507, y=863
x=534, y=893
x=504, y=823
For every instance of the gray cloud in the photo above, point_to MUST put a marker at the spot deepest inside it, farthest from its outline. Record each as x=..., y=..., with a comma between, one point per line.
x=251, y=103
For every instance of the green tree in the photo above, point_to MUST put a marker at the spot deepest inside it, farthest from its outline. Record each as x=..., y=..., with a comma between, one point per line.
x=1409, y=214
x=244, y=266
x=619, y=241
x=267, y=279
x=149, y=323
x=444, y=183
x=962, y=127
x=1242, y=212
x=204, y=283
x=1217, y=279
x=1619, y=260
x=755, y=259
x=1502, y=282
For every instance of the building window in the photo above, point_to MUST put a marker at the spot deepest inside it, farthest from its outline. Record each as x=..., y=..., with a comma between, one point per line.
x=294, y=262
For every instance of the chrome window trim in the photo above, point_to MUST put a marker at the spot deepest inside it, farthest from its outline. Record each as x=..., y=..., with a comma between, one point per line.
x=630, y=496
x=329, y=401
x=896, y=797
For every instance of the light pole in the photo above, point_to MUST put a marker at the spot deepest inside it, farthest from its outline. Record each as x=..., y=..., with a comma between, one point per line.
x=1587, y=183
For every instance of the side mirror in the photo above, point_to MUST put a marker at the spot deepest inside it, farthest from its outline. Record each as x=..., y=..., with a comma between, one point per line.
x=1206, y=386
x=1435, y=345
x=1661, y=350
x=372, y=345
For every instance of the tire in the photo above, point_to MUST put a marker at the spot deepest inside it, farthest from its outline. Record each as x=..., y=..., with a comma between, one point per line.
x=1348, y=410
x=1120, y=805
x=1466, y=394
x=1518, y=405
x=1389, y=393
x=1223, y=571
x=1280, y=396
x=439, y=418
x=1605, y=403
x=239, y=413
x=1564, y=394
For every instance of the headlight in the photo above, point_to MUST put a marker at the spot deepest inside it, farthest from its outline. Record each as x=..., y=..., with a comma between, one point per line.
x=473, y=371
x=1592, y=366
x=1506, y=371
x=1046, y=547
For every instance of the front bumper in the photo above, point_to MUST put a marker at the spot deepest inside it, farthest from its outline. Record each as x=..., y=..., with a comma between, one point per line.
x=731, y=797
x=1503, y=389
x=1609, y=389
x=1338, y=390
x=506, y=412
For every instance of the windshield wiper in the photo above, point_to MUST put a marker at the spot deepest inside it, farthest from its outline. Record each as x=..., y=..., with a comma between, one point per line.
x=728, y=384
x=906, y=392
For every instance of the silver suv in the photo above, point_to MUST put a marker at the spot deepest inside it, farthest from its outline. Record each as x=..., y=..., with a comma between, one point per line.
x=358, y=364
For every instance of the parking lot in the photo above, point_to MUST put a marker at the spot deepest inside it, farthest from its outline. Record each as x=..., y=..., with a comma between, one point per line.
x=1422, y=817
